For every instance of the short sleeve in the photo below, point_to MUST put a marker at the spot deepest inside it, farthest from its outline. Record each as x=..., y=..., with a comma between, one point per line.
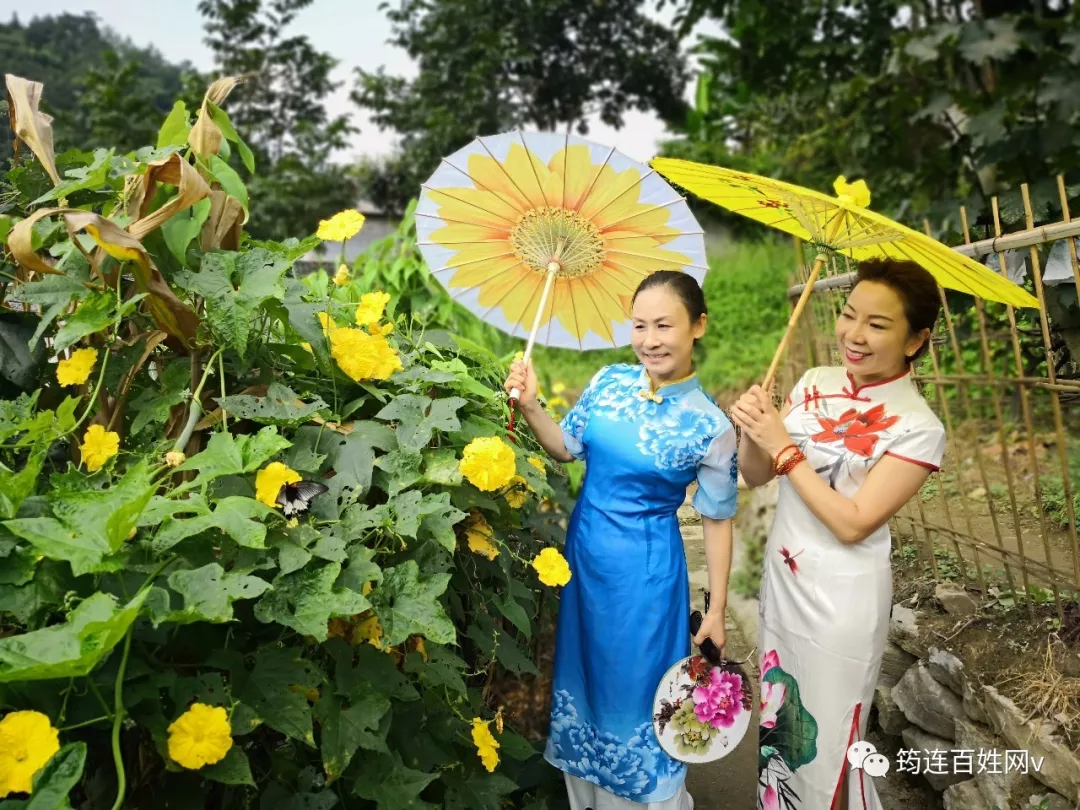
x=573, y=424
x=923, y=444
x=718, y=478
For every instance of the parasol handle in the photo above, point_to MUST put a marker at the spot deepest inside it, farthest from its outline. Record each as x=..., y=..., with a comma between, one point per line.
x=793, y=321
x=552, y=271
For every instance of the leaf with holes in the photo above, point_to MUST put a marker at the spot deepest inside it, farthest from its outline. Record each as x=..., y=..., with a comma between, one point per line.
x=239, y=517
x=280, y=406
x=305, y=601
x=347, y=723
x=270, y=691
x=226, y=454
x=209, y=592
x=419, y=416
x=407, y=605
x=398, y=470
x=352, y=458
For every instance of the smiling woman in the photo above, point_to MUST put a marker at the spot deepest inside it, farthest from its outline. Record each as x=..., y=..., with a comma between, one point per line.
x=869, y=440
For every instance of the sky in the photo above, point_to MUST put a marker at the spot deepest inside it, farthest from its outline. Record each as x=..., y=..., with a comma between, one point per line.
x=352, y=31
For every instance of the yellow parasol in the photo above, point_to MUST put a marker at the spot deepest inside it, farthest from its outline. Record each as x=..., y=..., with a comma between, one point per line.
x=548, y=235
x=842, y=224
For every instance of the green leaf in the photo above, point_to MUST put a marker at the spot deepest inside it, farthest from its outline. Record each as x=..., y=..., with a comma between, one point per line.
x=361, y=570
x=433, y=511
x=226, y=454
x=795, y=734
x=89, y=524
x=280, y=406
x=269, y=694
x=386, y=781
x=234, y=286
x=305, y=601
x=71, y=649
x=183, y=227
x=152, y=405
x=94, y=314
x=54, y=782
x=234, y=769
x=53, y=294
x=419, y=416
x=442, y=467
x=92, y=176
x=515, y=746
x=276, y=797
x=15, y=487
x=230, y=181
x=239, y=517
x=996, y=38
x=161, y=507
x=177, y=126
x=511, y=608
x=305, y=455
x=292, y=544
x=478, y=792
x=352, y=458
x=442, y=669
x=407, y=605
x=400, y=470
x=19, y=364
x=46, y=590
x=463, y=382
x=221, y=118
x=210, y=591
x=347, y=725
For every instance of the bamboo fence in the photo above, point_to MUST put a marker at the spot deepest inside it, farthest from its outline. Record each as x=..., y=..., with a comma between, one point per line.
x=983, y=518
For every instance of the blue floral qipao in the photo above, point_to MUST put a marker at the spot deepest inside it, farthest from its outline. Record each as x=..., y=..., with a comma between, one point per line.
x=624, y=616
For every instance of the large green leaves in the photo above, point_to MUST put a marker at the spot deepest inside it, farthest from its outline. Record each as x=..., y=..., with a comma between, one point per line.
x=234, y=287
x=408, y=605
x=226, y=454
x=209, y=592
x=70, y=649
x=20, y=364
x=239, y=517
x=386, y=781
x=348, y=721
x=280, y=406
x=88, y=524
x=276, y=688
x=305, y=600
x=419, y=416
x=60, y=774
x=794, y=736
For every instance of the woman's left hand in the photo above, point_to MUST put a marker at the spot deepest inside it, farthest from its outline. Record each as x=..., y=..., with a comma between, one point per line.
x=755, y=414
x=712, y=626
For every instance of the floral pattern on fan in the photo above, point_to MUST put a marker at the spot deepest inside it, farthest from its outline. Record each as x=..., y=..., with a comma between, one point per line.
x=710, y=707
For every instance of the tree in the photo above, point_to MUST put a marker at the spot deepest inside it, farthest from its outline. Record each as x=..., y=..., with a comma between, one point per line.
x=280, y=110
x=486, y=66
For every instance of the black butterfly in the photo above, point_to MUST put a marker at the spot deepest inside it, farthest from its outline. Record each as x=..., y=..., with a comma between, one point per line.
x=295, y=499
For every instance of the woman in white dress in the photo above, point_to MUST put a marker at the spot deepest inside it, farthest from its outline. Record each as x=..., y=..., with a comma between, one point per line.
x=852, y=445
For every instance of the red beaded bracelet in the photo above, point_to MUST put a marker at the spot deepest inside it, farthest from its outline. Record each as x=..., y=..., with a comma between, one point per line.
x=791, y=462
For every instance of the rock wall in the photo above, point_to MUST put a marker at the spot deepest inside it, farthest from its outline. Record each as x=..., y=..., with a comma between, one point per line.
x=968, y=740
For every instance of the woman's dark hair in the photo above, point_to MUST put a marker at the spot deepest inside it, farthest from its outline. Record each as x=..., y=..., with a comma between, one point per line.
x=683, y=285
x=918, y=291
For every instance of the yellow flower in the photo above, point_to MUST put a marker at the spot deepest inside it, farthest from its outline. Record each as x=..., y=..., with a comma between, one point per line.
x=372, y=306
x=538, y=464
x=76, y=369
x=342, y=276
x=558, y=388
x=200, y=736
x=328, y=325
x=479, y=534
x=270, y=480
x=502, y=228
x=174, y=458
x=99, y=445
x=488, y=463
x=552, y=567
x=857, y=193
x=516, y=495
x=27, y=742
x=385, y=329
x=557, y=402
x=486, y=744
x=369, y=630
x=363, y=356
x=341, y=226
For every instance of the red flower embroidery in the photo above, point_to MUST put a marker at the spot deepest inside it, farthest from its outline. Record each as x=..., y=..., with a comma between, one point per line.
x=789, y=559
x=856, y=430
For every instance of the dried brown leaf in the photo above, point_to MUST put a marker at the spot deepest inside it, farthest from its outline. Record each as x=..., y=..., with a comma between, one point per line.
x=175, y=171
x=205, y=137
x=31, y=126
x=225, y=223
x=20, y=242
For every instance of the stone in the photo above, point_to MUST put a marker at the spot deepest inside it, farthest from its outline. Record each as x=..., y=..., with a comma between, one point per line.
x=927, y=703
x=996, y=782
x=687, y=514
x=904, y=630
x=891, y=719
x=1053, y=802
x=964, y=796
x=947, y=669
x=894, y=663
x=973, y=702
x=1053, y=763
x=955, y=599
x=935, y=758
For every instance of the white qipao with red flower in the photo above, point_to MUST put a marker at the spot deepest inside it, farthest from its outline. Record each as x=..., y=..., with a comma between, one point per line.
x=825, y=604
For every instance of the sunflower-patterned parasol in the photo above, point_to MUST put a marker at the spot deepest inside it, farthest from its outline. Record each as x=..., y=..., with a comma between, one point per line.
x=843, y=224
x=548, y=235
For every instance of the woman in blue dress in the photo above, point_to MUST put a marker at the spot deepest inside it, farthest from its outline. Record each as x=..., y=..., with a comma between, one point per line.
x=646, y=432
